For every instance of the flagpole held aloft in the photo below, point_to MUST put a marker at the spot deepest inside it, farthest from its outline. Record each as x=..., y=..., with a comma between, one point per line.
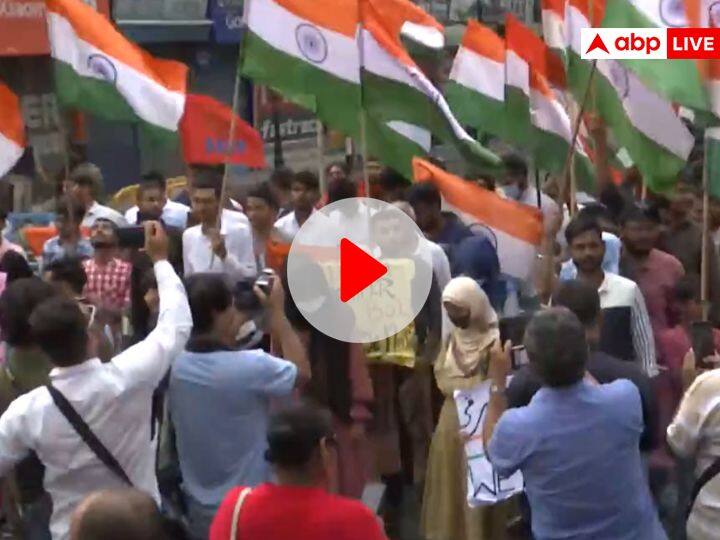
x=566, y=178
x=705, y=267
x=363, y=149
x=321, y=156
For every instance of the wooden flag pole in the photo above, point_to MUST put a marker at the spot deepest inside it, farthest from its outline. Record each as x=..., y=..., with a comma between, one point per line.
x=321, y=156
x=233, y=121
x=230, y=143
x=705, y=268
x=66, y=164
x=363, y=149
x=566, y=175
x=237, y=98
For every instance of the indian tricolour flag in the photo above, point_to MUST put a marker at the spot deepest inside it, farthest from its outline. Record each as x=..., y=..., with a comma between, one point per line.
x=98, y=70
x=712, y=160
x=677, y=80
x=308, y=50
x=706, y=14
x=642, y=121
x=476, y=88
x=517, y=227
x=12, y=131
x=551, y=131
x=395, y=91
x=517, y=87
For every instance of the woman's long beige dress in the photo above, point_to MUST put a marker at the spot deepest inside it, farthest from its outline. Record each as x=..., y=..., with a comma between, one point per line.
x=446, y=514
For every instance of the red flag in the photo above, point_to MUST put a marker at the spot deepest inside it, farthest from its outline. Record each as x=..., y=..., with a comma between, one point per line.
x=204, y=129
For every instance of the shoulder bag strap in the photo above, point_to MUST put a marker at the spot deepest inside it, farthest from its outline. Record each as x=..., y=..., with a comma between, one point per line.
x=236, y=513
x=708, y=474
x=87, y=435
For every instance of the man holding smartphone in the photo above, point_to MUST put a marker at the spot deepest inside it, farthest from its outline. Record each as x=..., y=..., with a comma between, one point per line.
x=583, y=300
x=220, y=397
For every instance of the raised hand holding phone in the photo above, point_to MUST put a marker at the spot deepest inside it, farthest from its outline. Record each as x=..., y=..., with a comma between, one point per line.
x=156, y=241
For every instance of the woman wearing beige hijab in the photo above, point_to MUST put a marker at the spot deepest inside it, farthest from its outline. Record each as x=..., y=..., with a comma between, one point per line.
x=445, y=512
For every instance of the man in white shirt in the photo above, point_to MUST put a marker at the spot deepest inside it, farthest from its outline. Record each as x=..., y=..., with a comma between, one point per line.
x=304, y=195
x=152, y=202
x=113, y=399
x=516, y=187
x=206, y=248
x=626, y=330
x=85, y=185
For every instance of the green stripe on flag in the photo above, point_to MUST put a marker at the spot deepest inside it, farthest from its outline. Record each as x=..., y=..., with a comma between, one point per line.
x=550, y=152
x=518, y=122
x=386, y=100
x=102, y=99
x=712, y=160
x=658, y=165
x=337, y=101
x=473, y=109
x=391, y=148
x=678, y=80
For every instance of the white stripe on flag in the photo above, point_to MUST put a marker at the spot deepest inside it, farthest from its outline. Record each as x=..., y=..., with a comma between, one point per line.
x=553, y=29
x=284, y=31
x=10, y=153
x=517, y=257
x=151, y=101
x=713, y=88
x=549, y=115
x=479, y=73
x=378, y=61
x=417, y=134
x=517, y=72
x=574, y=22
x=647, y=111
x=426, y=35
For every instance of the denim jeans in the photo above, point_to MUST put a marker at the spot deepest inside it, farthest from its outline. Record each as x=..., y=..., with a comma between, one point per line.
x=199, y=519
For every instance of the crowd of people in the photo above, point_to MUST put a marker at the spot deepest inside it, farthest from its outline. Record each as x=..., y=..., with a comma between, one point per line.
x=151, y=388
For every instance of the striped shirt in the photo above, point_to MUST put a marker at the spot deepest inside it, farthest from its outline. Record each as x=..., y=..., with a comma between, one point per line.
x=695, y=432
x=626, y=330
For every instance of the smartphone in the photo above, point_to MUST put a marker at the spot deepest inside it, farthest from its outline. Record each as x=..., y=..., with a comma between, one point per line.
x=131, y=237
x=266, y=280
x=142, y=217
x=245, y=298
x=703, y=344
x=513, y=329
x=519, y=357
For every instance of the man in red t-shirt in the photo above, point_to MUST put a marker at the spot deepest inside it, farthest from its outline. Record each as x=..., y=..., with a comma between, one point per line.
x=301, y=449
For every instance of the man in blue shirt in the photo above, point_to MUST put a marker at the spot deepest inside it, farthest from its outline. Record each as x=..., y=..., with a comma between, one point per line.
x=576, y=443
x=443, y=228
x=69, y=242
x=219, y=397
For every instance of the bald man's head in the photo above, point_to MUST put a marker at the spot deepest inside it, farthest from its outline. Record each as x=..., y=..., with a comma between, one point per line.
x=123, y=514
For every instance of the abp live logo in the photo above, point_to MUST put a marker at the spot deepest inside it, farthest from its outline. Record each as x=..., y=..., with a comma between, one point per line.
x=623, y=43
x=649, y=43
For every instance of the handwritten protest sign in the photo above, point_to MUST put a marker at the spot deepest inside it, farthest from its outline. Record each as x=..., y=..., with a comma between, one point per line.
x=485, y=486
x=388, y=299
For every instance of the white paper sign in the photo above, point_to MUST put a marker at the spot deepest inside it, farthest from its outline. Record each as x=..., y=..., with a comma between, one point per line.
x=485, y=486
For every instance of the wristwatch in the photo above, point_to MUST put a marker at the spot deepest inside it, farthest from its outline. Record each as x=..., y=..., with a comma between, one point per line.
x=495, y=389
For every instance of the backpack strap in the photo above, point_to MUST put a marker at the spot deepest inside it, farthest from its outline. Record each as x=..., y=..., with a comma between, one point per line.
x=708, y=474
x=87, y=435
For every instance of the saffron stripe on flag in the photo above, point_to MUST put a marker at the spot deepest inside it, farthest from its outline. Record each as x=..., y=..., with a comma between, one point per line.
x=518, y=227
